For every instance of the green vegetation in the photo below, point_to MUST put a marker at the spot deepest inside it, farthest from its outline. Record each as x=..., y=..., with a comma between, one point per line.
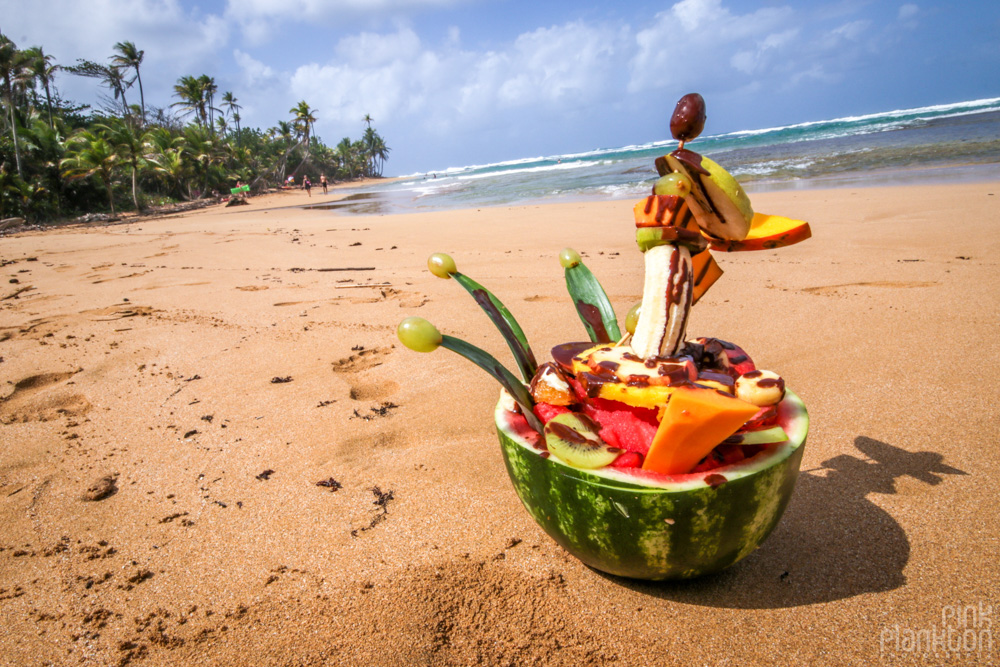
x=60, y=160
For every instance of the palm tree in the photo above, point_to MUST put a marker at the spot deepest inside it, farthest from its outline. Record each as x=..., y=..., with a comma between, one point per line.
x=116, y=79
x=368, y=140
x=90, y=154
x=47, y=146
x=201, y=151
x=229, y=101
x=43, y=70
x=209, y=89
x=112, y=76
x=129, y=56
x=381, y=153
x=304, y=119
x=284, y=131
x=345, y=153
x=129, y=145
x=14, y=72
x=164, y=153
x=192, y=98
x=368, y=120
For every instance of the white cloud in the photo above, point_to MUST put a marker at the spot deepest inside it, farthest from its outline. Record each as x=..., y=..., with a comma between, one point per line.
x=543, y=86
x=372, y=50
x=172, y=38
x=699, y=41
x=756, y=59
x=908, y=15
x=255, y=74
x=395, y=77
x=259, y=19
x=852, y=31
x=90, y=29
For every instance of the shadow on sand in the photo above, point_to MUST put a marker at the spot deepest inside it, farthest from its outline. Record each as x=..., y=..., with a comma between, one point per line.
x=832, y=542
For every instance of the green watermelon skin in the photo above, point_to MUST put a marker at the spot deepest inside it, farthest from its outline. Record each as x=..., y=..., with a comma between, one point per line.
x=658, y=527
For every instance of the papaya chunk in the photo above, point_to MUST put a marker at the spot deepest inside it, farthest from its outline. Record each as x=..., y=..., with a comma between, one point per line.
x=706, y=272
x=664, y=211
x=694, y=420
x=767, y=232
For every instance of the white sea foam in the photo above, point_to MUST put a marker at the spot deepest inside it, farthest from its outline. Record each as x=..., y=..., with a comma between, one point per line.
x=838, y=127
x=938, y=111
x=527, y=170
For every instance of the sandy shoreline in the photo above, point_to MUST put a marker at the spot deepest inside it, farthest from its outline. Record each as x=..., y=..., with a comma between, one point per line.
x=186, y=357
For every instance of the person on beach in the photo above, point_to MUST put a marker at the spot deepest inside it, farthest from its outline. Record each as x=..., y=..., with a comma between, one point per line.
x=307, y=185
x=322, y=181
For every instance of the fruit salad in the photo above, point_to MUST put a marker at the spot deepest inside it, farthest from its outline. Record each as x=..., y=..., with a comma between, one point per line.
x=648, y=453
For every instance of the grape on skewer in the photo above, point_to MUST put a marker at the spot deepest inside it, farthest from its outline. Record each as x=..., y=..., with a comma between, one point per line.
x=420, y=335
x=589, y=298
x=443, y=266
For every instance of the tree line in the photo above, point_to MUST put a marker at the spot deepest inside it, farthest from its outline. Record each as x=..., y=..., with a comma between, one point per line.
x=59, y=159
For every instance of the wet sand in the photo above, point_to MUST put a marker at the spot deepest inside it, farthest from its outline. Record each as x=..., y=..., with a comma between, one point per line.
x=173, y=392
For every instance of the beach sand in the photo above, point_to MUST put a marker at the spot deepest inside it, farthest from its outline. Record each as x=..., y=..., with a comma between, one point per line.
x=174, y=389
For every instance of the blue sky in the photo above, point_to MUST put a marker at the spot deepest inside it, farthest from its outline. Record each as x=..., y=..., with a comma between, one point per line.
x=460, y=82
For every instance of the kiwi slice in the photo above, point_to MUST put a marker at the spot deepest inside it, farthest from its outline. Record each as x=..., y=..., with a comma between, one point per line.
x=765, y=436
x=573, y=438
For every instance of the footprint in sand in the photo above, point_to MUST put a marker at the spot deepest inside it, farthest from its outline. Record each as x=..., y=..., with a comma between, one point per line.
x=413, y=301
x=35, y=329
x=42, y=397
x=373, y=391
x=117, y=312
x=364, y=388
x=835, y=289
x=361, y=360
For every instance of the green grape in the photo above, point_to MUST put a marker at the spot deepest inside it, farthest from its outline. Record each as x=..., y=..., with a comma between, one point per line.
x=632, y=318
x=674, y=184
x=418, y=334
x=441, y=265
x=569, y=258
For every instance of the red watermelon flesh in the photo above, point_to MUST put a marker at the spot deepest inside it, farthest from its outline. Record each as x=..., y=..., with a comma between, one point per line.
x=628, y=460
x=766, y=417
x=546, y=411
x=623, y=426
x=632, y=429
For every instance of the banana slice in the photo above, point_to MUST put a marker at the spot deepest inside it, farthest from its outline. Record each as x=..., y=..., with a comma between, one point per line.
x=762, y=388
x=666, y=301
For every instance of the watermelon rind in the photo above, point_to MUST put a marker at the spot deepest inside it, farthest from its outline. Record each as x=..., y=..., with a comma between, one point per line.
x=644, y=525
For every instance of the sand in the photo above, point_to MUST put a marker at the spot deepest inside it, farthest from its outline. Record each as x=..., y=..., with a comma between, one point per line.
x=173, y=391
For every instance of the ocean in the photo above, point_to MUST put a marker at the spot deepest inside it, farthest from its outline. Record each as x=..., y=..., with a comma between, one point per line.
x=950, y=142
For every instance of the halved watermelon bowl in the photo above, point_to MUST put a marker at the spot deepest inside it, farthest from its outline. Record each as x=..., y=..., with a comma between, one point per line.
x=650, y=526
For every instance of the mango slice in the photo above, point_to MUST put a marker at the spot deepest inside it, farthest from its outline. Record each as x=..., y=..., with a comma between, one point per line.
x=693, y=422
x=766, y=233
